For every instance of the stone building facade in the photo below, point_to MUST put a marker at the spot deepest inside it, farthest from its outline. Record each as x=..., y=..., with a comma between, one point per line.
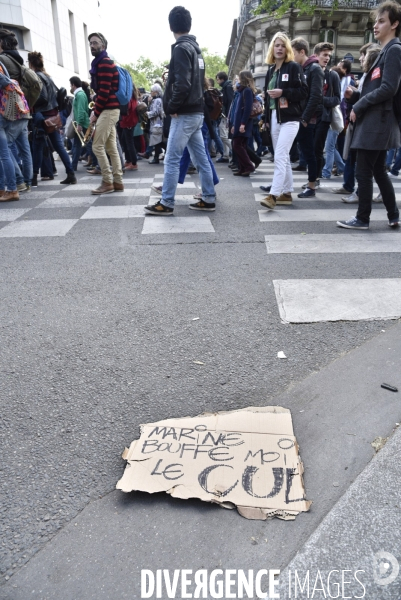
x=347, y=28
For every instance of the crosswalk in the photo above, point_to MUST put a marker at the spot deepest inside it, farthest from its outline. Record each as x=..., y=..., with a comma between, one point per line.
x=77, y=201
x=330, y=299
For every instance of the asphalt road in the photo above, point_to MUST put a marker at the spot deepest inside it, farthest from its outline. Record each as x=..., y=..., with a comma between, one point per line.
x=98, y=337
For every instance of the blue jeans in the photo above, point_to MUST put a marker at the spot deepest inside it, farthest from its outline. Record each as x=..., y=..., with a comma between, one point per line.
x=17, y=133
x=332, y=155
x=390, y=157
x=397, y=163
x=186, y=159
x=7, y=174
x=349, y=172
x=185, y=130
x=217, y=140
x=57, y=143
x=76, y=150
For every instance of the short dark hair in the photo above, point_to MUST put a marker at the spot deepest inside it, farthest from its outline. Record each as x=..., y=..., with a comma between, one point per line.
x=299, y=44
x=74, y=80
x=322, y=47
x=346, y=65
x=180, y=20
x=394, y=13
x=8, y=39
x=222, y=75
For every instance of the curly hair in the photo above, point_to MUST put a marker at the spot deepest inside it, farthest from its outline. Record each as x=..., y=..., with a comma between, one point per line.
x=36, y=60
x=8, y=40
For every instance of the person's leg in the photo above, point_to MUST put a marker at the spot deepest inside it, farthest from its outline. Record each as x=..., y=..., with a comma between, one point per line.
x=322, y=128
x=102, y=132
x=112, y=150
x=329, y=148
x=2, y=179
x=385, y=185
x=349, y=172
x=340, y=164
x=390, y=158
x=223, y=131
x=283, y=136
x=196, y=147
x=181, y=129
x=241, y=150
x=58, y=146
x=397, y=163
x=253, y=157
x=305, y=141
x=217, y=140
x=22, y=142
x=130, y=146
x=6, y=159
x=76, y=152
x=365, y=164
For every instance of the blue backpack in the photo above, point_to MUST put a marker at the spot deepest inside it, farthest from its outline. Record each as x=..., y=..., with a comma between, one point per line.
x=124, y=92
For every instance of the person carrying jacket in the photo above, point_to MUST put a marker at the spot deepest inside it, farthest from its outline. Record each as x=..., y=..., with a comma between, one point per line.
x=183, y=100
x=376, y=122
x=314, y=79
x=285, y=93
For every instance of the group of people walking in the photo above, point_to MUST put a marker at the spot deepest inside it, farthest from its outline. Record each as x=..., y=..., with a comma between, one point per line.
x=301, y=115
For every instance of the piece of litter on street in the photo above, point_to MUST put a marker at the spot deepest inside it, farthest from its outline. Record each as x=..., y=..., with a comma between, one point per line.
x=336, y=484
x=281, y=354
x=351, y=433
x=389, y=387
x=198, y=362
x=301, y=411
x=196, y=319
x=246, y=458
x=378, y=443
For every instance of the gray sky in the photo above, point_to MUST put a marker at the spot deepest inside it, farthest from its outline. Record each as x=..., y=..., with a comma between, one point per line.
x=140, y=27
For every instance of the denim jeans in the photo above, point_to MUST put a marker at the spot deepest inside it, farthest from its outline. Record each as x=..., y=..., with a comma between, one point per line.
x=349, y=172
x=369, y=164
x=7, y=175
x=57, y=143
x=332, y=155
x=217, y=140
x=76, y=150
x=185, y=130
x=17, y=133
x=397, y=163
x=390, y=157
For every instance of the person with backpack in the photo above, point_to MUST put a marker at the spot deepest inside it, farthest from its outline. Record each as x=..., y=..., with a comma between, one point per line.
x=28, y=80
x=375, y=114
x=105, y=115
x=47, y=109
x=285, y=93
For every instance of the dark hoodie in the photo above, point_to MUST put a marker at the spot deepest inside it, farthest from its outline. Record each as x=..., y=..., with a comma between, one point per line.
x=12, y=59
x=184, y=87
x=314, y=78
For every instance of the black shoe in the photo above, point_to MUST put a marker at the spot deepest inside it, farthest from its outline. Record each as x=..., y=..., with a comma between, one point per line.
x=69, y=180
x=159, y=209
x=34, y=181
x=265, y=188
x=202, y=205
x=299, y=168
x=307, y=193
x=257, y=163
x=154, y=162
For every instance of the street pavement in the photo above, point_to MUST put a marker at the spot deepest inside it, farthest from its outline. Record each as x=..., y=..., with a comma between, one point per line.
x=98, y=334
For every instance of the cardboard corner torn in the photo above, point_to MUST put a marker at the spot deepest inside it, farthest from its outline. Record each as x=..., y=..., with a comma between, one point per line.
x=246, y=458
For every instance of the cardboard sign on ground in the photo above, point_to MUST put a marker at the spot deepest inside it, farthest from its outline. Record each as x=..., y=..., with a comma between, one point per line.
x=245, y=458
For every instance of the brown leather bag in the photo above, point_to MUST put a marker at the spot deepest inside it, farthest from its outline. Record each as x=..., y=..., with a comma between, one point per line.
x=52, y=124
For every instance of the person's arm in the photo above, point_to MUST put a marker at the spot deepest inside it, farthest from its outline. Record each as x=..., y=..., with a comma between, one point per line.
x=299, y=88
x=390, y=81
x=248, y=102
x=182, y=79
x=335, y=99
x=156, y=109
x=316, y=93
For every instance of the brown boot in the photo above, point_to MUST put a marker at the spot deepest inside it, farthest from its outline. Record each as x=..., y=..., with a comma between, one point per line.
x=118, y=187
x=104, y=188
x=269, y=202
x=284, y=199
x=8, y=196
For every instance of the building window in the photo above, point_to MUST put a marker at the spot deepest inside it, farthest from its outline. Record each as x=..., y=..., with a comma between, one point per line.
x=369, y=38
x=57, y=33
x=327, y=35
x=73, y=41
x=86, y=42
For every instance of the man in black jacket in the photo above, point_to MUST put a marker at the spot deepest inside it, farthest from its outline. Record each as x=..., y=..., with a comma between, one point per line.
x=306, y=135
x=183, y=100
x=228, y=95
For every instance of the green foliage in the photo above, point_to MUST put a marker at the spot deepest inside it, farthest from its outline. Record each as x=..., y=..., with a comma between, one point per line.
x=213, y=63
x=278, y=8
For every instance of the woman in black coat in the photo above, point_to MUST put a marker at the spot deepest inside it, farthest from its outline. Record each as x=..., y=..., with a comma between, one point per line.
x=242, y=124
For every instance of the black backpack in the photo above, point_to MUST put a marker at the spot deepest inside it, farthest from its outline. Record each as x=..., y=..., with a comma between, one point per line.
x=62, y=98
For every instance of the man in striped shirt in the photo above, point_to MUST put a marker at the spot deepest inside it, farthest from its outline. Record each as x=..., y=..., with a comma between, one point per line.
x=105, y=115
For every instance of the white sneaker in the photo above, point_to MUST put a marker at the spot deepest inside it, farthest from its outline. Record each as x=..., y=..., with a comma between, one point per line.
x=378, y=198
x=352, y=199
x=392, y=176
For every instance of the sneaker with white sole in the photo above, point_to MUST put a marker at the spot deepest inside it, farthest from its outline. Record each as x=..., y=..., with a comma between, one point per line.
x=394, y=222
x=378, y=198
x=159, y=209
x=352, y=199
x=353, y=223
x=202, y=205
x=392, y=176
x=340, y=190
x=317, y=184
x=157, y=188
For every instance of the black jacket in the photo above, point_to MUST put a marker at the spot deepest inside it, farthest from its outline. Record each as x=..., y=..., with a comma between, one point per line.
x=292, y=81
x=314, y=78
x=48, y=96
x=333, y=96
x=184, y=87
x=228, y=95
